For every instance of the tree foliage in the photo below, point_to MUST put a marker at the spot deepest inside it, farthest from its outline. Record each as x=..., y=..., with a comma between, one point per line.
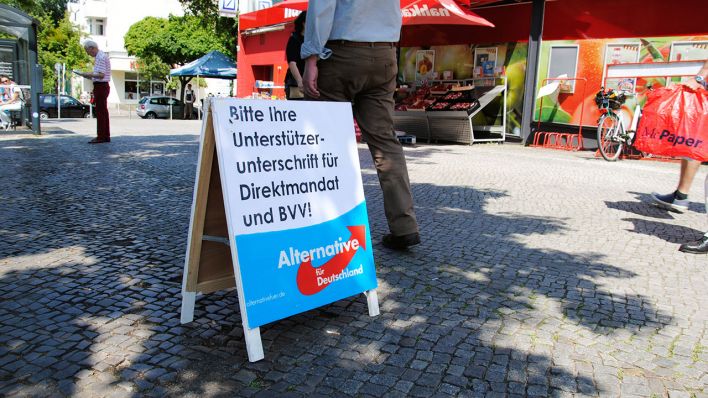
x=152, y=67
x=174, y=41
x=59, y=43
x=58, y=40
x=207, y=11
x=52, y=9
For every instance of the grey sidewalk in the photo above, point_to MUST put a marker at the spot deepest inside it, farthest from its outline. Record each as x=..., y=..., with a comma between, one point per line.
x=541, y=273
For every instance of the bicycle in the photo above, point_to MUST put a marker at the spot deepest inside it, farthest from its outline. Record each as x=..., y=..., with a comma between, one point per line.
x=612, y=136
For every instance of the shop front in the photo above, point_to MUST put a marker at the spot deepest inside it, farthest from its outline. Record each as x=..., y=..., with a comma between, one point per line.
x=468, y=86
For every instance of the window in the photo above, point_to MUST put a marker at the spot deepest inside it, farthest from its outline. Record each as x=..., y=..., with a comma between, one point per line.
x=621, y=53
x=564, y=61
x=49, y=100
x=688, y=51
x=147, y=87
x=68, y=101
x=97, y=26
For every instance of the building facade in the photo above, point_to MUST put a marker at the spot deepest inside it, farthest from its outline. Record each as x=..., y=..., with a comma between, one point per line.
x=106, y=22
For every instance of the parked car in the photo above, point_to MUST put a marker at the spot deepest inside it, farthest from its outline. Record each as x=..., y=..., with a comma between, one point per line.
x=158, y=106
x=70, y=107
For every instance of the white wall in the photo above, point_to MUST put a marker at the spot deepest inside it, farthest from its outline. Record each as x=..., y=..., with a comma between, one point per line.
x=119, y=16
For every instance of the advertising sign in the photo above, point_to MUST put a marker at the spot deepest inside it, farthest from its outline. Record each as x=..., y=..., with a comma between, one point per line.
x=618, y=53
x=290, y=173
x=293, y=211
x=485, y=60
x=424, y=65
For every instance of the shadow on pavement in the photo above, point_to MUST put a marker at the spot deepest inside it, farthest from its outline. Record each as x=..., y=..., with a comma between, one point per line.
x=671, y=233
x=93, y=236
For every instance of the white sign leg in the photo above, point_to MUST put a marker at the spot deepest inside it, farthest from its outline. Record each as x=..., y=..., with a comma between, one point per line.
x=372, y=299
x=188, y=300
x=254, y=346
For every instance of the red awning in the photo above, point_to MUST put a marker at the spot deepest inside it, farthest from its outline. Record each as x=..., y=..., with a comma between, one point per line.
x=437, y=22
x=439, y=12
x=425, y=22
x=283, y=12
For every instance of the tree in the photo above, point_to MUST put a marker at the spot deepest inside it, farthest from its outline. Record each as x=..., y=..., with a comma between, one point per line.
x=208, y=12
x=174, y=41
x=53, y=9
x=152, y=67
x=59, y=43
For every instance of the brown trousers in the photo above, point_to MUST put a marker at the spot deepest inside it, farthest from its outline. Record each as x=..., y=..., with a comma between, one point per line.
x=366, y=77
x=100, y=98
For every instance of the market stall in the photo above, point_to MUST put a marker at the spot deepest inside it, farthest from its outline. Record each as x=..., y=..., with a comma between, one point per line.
x=446, y=110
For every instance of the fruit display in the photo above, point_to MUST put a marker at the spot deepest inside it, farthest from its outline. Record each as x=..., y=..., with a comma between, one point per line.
x=453, y=96
x=441, y=88
x=439, y=106
x=438, y=97
x=462, y=106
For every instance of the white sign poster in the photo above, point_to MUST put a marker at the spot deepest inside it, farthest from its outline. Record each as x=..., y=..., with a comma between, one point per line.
x=294, y=204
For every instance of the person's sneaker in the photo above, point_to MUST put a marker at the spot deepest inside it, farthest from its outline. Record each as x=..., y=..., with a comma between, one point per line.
x=699, y=247
x=670, y=202
x=394, y=242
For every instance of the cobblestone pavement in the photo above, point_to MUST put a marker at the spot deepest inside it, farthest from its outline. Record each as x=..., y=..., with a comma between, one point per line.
x=541, y=273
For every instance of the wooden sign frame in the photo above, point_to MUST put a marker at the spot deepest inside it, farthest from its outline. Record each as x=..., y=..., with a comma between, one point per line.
x=211, y=261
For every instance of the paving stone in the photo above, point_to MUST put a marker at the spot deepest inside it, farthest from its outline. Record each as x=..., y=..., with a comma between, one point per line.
x=541, y=273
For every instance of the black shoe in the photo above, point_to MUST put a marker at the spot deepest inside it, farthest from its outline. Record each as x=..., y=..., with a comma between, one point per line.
x=394, y=242
x=699, y=247
x=99, y=140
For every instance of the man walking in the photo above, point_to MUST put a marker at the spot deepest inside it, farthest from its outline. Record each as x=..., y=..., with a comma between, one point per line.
x=678, y=200
x=101, y=75
x=350, y=53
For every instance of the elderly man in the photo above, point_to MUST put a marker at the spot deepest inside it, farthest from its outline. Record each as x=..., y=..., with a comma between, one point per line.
x=101, y=75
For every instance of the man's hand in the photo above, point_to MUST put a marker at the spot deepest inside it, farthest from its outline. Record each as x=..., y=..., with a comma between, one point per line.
x=693, y=84
x=310, y=77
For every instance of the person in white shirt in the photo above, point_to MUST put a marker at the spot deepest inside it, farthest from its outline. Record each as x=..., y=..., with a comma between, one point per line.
x=101, y=76
x=10, y=100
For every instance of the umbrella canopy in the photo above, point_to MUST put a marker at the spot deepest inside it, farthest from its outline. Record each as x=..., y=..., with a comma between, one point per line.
x=425, y=22
x=437, y=22
x=214, y=64
x=280, y=13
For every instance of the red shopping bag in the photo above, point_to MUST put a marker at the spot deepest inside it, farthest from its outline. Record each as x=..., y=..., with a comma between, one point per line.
x=675, y=123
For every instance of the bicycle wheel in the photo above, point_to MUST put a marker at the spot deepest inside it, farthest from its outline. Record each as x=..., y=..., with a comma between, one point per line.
x=607, y=140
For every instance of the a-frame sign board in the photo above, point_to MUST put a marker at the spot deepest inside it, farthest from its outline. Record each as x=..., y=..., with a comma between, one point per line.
x=278, y=212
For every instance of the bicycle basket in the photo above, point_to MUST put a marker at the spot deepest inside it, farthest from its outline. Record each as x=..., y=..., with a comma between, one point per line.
x=616, y=103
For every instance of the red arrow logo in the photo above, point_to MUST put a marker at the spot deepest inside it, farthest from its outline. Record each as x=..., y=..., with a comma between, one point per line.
x=307, y=275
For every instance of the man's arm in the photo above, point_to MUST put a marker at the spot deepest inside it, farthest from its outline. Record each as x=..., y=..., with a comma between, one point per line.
x=703, y=73
x=292, y=66
x=309, y=81
x=318, y=26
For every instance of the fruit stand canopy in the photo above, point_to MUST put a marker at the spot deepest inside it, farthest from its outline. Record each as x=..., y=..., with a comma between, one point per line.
x=214, y=64
x=425, y=22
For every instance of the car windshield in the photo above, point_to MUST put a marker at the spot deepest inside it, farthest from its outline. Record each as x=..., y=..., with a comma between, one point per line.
x=143, y=100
